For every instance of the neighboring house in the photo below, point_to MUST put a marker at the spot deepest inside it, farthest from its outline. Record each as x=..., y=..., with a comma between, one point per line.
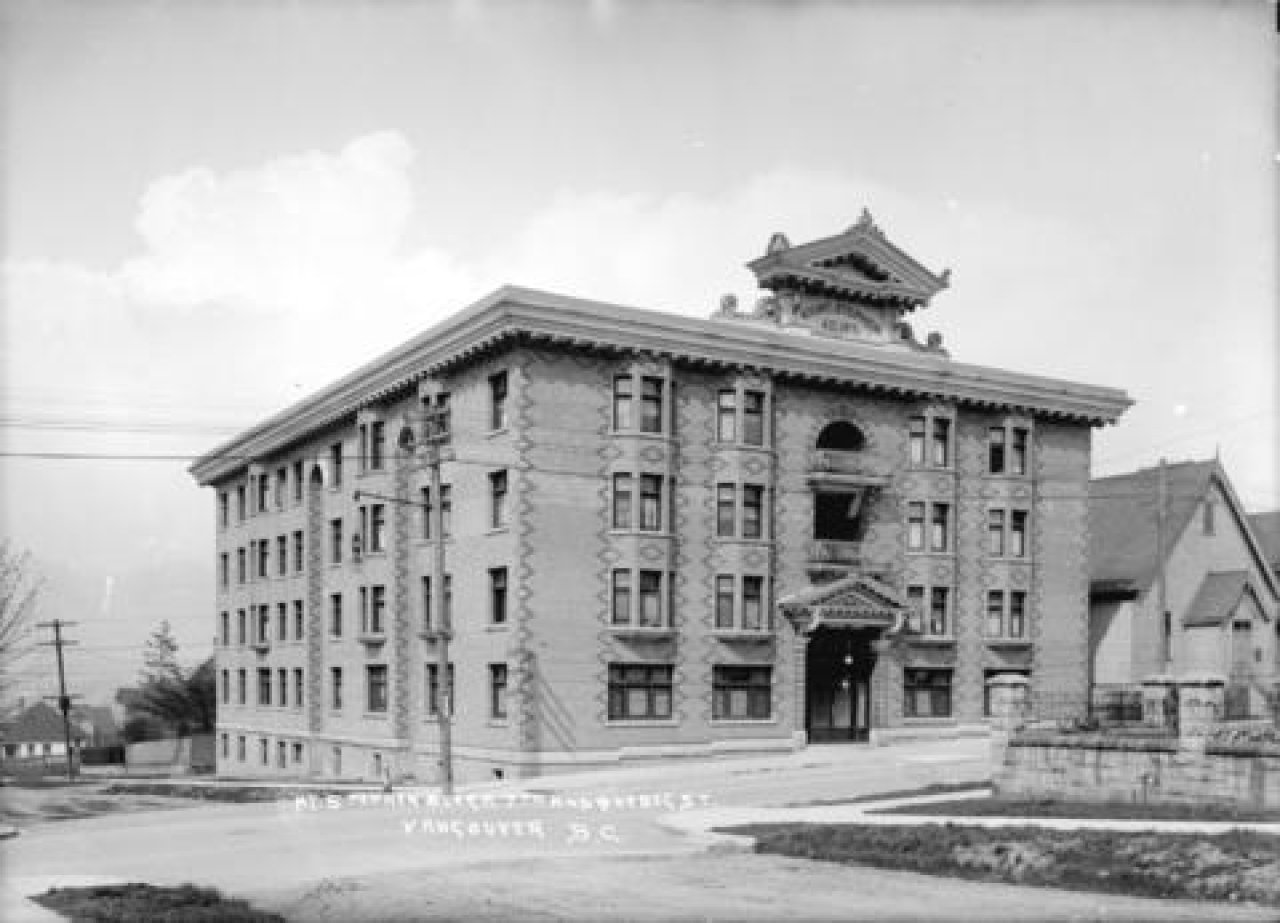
x=1221, y=596
x=37, y=732
x=1266, y=526
x=98, y=725
x=664, y=536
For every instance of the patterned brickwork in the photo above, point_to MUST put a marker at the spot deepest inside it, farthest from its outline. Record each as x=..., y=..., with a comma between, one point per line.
x=315, y=614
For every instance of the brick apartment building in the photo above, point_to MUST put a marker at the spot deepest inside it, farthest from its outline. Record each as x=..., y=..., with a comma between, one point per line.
x=664, y=536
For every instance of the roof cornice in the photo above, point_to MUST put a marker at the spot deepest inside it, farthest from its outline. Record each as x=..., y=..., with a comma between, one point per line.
x=513, y=313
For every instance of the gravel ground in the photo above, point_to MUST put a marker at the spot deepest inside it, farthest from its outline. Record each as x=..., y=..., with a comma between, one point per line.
x=737, y=887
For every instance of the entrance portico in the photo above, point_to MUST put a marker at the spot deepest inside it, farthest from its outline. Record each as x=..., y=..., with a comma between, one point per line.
x=844, y=629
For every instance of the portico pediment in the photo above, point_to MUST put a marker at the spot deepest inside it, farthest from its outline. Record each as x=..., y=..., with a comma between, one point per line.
x=856, y=601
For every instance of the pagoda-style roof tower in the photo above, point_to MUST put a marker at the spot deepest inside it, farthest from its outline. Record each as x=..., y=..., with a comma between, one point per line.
x=854, y=286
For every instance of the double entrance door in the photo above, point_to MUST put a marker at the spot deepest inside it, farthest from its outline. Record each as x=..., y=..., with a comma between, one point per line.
x=838, y=685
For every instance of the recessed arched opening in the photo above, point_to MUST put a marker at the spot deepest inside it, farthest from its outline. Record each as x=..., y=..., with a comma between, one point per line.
x=842, y=436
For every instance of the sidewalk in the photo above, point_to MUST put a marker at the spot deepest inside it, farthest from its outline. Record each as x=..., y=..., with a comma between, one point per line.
x=700, y=824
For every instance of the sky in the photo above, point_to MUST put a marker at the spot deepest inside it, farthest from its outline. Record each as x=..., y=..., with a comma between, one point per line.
x=211, y=209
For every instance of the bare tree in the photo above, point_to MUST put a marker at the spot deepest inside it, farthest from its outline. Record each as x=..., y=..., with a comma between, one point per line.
x=19, y=588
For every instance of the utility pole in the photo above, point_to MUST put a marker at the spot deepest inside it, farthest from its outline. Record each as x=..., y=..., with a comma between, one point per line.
x=64, y=700
x=435, y=435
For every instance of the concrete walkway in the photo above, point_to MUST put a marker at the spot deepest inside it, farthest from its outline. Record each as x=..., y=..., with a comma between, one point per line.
x=700, y=824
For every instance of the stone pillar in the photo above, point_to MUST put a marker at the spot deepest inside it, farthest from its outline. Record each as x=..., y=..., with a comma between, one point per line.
x=1200, y=707
x=1010, y=708
x=1157, y=692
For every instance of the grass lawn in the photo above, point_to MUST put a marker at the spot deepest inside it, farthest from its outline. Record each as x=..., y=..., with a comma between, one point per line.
x=1043, y=807
x=133, y=902
x=1232, y=866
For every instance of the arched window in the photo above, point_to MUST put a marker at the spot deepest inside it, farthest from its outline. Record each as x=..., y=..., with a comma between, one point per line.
x=406, y=441
x=842, y=436
x=317, y=476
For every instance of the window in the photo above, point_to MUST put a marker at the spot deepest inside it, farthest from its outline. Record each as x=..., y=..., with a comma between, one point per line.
x=224, y=510
x=915, y=526
x=433, y=689
x=995, y=613
x=498, y=595
x=939, y=610
x=224, y=628
x=335, y=463
x=226, y=746
x=297, y=482
x=987, y=677
x=297, y=551
x=927, y=693
x=224, y=570
x=282, y=477
x=297, y=687
x=264, y=557
x=282, y=621
x=335, y=615
x=264, y=624
x=377, y=528
x=264, y=686
x=939, y=534
x=264, y=492
x=446, y=511
x=622, y=501
x=639, y=692
x=622, y=402
x=727, y=416
x=335, y=541
x=242, y=683
x=336, y=758
x=941, y=442
x=298, y=619
x=372, y=606
x=240, y=627
x=1207, y=522
x=241, y=567
x=1018, y=533
x=282, y=682
x=240, y=503
x=377, y=445
x=726, y=503
x=498, y=401
x=426, y=604
x=1018, y=459
x=335, y=688
x=240, y=748
x=916, y=439
x=740, y=693
x=297, y=753
x=651, y=503
x=752, y=511
x=995, y=533
x=498, y=499
x=753, y=417
x=752, y=603
x=498, y=691
x=376, y=687
x=724, y=601
x=226, y=687
x=1017, y=614
x=622, y=597
x=651, y=405
x=282, y=554
x=995, y=450
x=650, y=598
x=424, y=502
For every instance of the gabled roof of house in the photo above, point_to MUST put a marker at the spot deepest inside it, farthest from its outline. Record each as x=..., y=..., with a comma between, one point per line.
x=39, y=723
x=1217, y=598
x=1266, y=526
x=1122, y=522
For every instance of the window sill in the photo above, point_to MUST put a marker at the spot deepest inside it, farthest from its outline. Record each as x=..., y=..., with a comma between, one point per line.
x=742, y=634
x=375, y=716
x=638, y=632
x=642, y=533
x=497, y=627
x=732, y=722
x=734, y=540
x=1008, y=642
x=929, y=721
x=635, y=433
x=641, y=722
x=926, y=553
x=932, y=641
x=498, y=723
x=369, y=637
x=498, y=530
x=500, y=431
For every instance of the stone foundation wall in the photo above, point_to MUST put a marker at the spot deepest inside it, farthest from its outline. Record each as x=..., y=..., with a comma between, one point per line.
x=1096, y=769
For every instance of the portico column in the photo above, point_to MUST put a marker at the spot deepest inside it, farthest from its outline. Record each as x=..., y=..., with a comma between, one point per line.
x=799, y=733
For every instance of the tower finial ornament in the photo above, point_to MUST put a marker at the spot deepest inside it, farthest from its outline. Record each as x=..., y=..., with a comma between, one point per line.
x=777, y=243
